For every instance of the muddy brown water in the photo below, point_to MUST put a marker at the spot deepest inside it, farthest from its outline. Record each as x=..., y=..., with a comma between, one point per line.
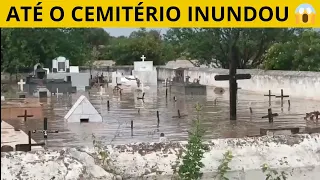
x=115, y=128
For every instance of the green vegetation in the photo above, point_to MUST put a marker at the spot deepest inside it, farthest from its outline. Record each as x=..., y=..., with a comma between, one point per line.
x=102, y=153
x=268, y=48
x=272, y=174
x=224, y=165
x=191, y=160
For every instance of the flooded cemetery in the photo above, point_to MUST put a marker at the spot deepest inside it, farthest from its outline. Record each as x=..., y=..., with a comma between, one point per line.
x=137, y=106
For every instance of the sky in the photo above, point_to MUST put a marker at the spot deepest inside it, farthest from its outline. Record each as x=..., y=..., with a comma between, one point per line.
x=126, y=31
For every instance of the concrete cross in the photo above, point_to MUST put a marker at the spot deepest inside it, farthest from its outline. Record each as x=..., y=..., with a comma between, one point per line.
x=57, y=93
x=143, y=58
x=102, y=91
x=21, y=83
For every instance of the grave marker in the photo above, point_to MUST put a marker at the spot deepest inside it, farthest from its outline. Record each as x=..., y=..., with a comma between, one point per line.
x=233, y=86
x=21, y=83
x=27, y=147
x=143, y=58
x=45, y=130
x=282, y=96
x=131, y=127
x=270, y=115
x=269, y=95
x=158, y=119
x=141, y=97
x=25, y=116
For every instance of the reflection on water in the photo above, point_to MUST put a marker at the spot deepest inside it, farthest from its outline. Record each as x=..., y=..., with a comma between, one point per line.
x=115, y=128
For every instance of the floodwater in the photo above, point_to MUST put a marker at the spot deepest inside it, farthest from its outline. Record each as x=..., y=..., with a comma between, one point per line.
x=115, y=128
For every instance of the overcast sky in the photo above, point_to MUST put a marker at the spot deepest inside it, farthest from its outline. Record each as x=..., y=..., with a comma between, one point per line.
x=126, y=31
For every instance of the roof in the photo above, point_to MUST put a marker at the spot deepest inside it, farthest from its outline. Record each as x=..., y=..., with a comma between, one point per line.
x=76, y=104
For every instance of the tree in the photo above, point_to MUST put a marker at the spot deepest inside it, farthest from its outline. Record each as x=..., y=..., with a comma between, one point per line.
x=126, y=50
x=301, y=53
x=213, y=45
x=26, y=47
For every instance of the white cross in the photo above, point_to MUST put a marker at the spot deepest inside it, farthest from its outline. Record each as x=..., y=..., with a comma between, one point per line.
x=143, y=58
x=21, y=83
x=57, y=93
x=102, y=90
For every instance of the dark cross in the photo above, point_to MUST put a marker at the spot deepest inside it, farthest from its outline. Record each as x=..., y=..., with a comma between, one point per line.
x=270, y=95
x=270, y=115
x=27, y=147
x=282, y=96
x=45, y=130
x=25, y=116
x=233, y=86
x=142, y=96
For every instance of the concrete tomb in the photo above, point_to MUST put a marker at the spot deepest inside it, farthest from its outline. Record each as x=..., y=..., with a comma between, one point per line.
x=116, y=78
x=61, y=69
x=83, y=111
x=185, y=86
x=40, y=86
x=145, y=72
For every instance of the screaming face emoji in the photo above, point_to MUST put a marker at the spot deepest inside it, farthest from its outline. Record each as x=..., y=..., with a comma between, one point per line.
x=305, y=14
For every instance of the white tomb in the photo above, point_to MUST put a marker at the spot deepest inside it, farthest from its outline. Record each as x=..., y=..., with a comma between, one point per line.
x=3, y=98
x=145, y=72
x=116, y=78
x=60, y=64
x=61, y=69
x=83, y=111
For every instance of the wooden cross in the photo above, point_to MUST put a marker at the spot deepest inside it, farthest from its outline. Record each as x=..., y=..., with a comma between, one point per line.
x=233, y=86
x=270, y=115
x=21, y=83
x=45, y=130
x=282, y=96
x=143, y=58
x=25, y=116
x=270, y=95
x=27, y=147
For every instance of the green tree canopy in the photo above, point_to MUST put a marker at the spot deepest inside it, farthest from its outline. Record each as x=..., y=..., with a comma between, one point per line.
x=300, y=53
x=213, y=45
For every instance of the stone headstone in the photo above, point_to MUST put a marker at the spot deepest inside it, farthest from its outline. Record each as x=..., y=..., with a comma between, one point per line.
x=3, y=98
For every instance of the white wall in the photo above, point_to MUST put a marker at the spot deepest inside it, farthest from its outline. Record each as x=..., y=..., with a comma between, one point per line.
x=148, y=78
x=294, y=83
x=143, y=66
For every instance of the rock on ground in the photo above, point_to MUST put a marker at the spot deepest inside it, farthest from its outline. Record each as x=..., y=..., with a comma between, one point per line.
x=67, y=164
x=296, y=155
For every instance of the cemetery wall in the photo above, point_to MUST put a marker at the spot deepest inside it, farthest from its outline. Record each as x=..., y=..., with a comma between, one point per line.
x=126, y=70
x=294, y=83
x=298, y=156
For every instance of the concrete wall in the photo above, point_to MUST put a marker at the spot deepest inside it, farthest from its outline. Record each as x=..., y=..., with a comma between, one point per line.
x=298, y=156
x=126, y=70
x=79, y=80
x=294, y=83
